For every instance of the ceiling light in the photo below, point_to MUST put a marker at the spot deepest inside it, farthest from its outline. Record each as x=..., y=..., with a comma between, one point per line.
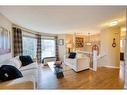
x=88, y=43
x=78, y=33
x=113, y=23
x=123, y=29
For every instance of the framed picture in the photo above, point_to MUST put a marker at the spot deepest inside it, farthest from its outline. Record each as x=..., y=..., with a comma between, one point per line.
x=5, y=38
x=61, y=42
x=79, y=42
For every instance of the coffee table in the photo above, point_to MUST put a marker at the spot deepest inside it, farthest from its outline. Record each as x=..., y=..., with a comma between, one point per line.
x=57, y=69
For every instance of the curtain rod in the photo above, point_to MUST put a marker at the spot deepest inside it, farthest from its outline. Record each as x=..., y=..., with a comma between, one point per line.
x=24, y=29
x=32, y=32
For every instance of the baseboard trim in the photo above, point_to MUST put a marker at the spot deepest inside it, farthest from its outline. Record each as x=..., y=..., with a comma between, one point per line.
x=91, y=68
x=112, y=67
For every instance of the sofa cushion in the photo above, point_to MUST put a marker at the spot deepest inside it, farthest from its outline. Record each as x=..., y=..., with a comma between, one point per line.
x=72, y=55
x=26, y=60
x=30, y=66
x=33, y=72
x=9, y=72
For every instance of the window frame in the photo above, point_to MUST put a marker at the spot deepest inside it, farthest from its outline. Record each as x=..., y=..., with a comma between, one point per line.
x=49, y=38
x=35, y=45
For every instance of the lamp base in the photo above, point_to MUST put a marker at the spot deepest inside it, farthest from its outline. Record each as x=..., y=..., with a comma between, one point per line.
x=69, y=50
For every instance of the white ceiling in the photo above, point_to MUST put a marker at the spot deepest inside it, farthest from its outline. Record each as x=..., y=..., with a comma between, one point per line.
x=61, y=19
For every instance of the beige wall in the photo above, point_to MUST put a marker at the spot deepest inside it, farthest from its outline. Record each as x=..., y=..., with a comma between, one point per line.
x=112, y=55
x=70, y=38
x=62, y=50
x=126, y=65
x=123, y=38
x=125, y=85
x=4, y=22
x=95, y=39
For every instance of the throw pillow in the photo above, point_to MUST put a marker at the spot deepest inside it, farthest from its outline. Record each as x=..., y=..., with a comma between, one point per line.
x=8, y=72
x=15, y=62
x=72, y=55
x=20, y=63
x=26, y=60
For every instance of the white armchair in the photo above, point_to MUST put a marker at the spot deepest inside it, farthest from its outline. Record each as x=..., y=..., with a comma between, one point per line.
x=79, y=63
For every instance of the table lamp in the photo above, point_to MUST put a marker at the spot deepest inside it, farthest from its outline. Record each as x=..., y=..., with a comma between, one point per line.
x=69, y=46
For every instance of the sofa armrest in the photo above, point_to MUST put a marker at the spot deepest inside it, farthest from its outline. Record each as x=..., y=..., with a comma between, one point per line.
x=30, y=66
x=71, y=62
x=26, y=82
x=83, y=63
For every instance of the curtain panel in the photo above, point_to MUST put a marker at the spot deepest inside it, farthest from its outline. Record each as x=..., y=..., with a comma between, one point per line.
x=38, y=48
x=17, y=41
x=57, y=49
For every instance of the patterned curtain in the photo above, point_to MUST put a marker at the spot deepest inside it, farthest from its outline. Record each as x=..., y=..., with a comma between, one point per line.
x=39, y=48
x=57, y=50
x=17, y=41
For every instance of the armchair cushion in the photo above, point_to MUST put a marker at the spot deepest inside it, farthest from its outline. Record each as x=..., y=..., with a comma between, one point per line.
x=72, y=55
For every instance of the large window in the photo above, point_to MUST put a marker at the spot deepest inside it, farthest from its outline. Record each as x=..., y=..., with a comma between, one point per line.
x=29, y=46
x=48, y=48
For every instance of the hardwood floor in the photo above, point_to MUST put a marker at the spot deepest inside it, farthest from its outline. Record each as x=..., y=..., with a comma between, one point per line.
x=104, y=78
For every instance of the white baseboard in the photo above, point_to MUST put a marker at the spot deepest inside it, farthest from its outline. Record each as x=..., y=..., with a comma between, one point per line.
x=112, y=67
x=91, y=68
x=108, y=67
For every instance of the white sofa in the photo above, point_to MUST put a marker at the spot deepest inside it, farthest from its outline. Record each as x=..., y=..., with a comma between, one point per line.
x=81, y=62
x=29, y=72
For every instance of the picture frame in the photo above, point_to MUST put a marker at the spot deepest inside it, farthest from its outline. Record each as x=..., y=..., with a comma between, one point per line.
x=5, y=41
x=79, y=42
x=61, y=42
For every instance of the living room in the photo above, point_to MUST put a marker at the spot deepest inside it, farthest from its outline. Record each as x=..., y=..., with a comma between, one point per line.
x=48, y=33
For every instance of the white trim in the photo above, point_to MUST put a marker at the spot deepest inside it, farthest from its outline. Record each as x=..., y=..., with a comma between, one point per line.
x=112, y=67
x=125, y=83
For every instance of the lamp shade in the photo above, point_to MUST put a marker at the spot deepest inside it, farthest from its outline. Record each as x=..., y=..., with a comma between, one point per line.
x=69, y=45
